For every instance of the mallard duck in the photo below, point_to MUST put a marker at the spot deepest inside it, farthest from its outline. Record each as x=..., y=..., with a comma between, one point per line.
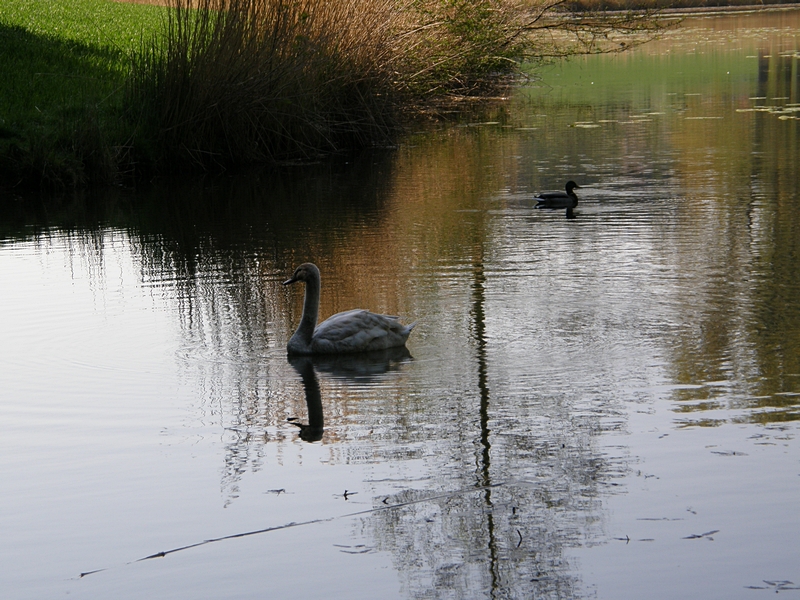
x=566, y=199
x=351, y=331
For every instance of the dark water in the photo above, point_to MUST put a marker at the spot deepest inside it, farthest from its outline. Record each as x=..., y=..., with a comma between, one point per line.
x=601, y=407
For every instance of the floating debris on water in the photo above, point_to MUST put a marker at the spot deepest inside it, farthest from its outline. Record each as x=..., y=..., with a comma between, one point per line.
x=707, y=535
x=778, y=586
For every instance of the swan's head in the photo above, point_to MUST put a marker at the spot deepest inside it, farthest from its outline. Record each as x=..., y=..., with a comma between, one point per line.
x=305, y=272
x=571, y=185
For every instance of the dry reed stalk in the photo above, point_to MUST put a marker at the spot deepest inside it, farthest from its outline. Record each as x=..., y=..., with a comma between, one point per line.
x=253, y=80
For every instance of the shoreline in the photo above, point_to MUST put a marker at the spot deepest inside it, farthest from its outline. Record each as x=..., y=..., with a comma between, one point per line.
x=711, y=10
x=721, y=10
x=84, y=134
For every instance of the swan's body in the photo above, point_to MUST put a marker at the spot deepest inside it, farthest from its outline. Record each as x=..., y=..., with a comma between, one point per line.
x=566, y=199
x=351, y=331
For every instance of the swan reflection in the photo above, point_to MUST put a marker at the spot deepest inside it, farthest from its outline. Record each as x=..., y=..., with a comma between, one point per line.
x=311, y=432
x=357, y=368
x=363, y=367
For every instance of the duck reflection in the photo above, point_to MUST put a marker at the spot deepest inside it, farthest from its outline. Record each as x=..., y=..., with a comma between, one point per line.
x=362, y=368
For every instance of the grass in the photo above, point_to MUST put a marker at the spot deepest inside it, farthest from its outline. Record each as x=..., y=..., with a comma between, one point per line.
x=63, y=68
x=95, y=91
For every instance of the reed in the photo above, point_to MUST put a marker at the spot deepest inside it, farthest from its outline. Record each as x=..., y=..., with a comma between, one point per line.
x=242, y=81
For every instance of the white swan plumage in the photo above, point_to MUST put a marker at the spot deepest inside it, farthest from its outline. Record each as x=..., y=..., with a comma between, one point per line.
x=356, y=330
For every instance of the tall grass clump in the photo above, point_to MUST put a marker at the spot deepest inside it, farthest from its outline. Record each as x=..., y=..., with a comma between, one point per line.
x=243, y=81
x=237, y=81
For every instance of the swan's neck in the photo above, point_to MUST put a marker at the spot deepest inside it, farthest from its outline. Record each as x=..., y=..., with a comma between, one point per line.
x=301, y=340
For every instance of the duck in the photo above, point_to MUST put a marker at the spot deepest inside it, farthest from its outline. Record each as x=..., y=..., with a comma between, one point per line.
x=351, y=331
x=568, y=199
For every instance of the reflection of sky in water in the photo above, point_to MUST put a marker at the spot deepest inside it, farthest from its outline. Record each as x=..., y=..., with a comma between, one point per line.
x=587, y=400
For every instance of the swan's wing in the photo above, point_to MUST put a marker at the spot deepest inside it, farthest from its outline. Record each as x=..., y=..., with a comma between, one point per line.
x=359, y=331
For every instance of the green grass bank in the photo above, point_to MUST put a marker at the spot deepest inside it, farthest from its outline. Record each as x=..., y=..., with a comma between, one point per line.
x=63, y=71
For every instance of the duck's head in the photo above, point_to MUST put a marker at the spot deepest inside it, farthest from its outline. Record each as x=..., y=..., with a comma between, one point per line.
x=305, y=272
x=571, y=185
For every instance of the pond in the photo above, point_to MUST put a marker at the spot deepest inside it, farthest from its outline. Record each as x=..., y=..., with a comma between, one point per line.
x=598, y=407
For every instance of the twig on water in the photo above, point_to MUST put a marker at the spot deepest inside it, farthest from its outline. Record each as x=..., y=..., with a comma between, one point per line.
x=165, y=553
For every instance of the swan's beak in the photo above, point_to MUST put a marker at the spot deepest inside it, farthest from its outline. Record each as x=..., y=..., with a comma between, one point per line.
x=290, y=280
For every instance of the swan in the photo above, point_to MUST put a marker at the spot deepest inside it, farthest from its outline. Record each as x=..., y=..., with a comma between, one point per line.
x=566, y=199
x=350, y=331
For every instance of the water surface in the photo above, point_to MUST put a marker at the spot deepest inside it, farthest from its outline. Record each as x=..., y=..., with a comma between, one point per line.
x=600, y=407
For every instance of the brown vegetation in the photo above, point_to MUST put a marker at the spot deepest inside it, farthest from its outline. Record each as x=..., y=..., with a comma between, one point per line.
x=238, y=81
